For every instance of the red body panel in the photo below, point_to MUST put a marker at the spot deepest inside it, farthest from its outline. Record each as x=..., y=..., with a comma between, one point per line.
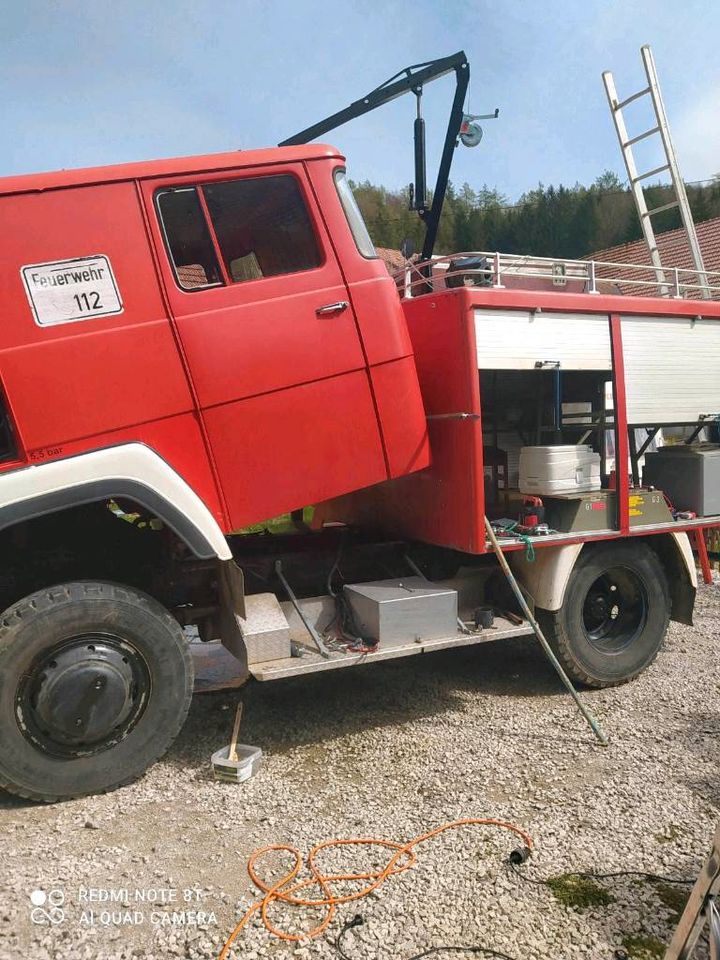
x=79, y=380
x=251, y=338
x=619, y=400
x=444, y=503
x=169, y=167
x=395, y=386
x=281, y=445
x=253, y=350
x=377, y=306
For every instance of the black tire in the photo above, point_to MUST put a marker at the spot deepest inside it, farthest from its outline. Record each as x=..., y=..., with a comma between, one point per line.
x=95, y=684
x=614, y=616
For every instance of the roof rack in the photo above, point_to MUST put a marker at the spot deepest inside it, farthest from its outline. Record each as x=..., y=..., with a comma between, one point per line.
x=500, y=270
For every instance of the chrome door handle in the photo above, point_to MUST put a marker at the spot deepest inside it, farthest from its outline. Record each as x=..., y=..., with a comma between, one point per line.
x=331, y=308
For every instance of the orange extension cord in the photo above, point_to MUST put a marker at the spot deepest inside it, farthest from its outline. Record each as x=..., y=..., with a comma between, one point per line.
x=284, y=890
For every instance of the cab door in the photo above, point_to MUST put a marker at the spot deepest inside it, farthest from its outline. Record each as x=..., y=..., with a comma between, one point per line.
x=270, y=337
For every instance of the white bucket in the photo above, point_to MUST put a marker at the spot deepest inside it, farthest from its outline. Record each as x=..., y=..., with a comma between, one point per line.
x=236, y=771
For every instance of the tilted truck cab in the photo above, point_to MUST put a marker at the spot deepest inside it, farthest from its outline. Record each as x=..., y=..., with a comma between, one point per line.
x=237, y=302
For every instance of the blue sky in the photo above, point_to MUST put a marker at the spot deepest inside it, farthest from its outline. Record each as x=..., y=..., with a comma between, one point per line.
x=86, y=83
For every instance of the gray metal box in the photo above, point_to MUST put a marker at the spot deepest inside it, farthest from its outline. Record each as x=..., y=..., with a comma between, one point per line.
x=398, y=611
x=265, y=630
x=689, y=474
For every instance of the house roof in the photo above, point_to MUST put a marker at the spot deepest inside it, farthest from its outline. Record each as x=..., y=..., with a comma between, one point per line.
x=674, y=252
x=392, y=259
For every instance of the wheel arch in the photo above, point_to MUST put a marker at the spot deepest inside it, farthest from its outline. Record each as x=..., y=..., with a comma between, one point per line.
x=547, y=577
x=675, y=553
x=136, y=473
x=130, y=470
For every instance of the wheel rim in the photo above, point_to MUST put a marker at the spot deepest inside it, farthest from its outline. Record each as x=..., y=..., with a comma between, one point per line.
x=83, y=696
x=615, y=610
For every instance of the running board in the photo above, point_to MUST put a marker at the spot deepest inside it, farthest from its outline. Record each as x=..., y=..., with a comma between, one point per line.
x=312, y=662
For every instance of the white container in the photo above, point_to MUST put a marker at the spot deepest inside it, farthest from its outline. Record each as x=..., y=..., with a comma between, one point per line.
x=240, y=770
x=555, y=470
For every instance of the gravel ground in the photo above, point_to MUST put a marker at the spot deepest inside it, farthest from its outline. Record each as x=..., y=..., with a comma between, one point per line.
x=392, y=750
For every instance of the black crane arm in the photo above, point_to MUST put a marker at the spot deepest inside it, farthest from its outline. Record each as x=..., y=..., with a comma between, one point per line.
x=411, y=80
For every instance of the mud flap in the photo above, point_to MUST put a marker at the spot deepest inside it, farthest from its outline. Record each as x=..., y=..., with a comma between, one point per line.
x=231, y=591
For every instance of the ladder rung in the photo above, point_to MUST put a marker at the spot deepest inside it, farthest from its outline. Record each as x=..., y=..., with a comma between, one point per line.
x=665, y=206
x=650, y=173
x=635, y=96
x=641, y=136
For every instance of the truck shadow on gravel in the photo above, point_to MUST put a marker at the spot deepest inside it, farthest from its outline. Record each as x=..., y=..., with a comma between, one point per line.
x=699, y=733
x=284, y=714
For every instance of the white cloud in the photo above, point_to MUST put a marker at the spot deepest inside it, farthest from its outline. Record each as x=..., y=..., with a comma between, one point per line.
x=696, y=135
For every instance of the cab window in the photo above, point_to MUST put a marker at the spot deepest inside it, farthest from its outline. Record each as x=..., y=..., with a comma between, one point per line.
x=262, y=226
x=354, y=216
x=258, y=227
x=188, y=239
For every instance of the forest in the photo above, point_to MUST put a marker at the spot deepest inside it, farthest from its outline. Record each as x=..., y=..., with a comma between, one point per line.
x=568, y=222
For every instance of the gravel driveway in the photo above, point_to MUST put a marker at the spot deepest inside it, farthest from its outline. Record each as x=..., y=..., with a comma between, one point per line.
x=392, y=750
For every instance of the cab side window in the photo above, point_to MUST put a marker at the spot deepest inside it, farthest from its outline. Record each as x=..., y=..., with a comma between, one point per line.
x=258, y=227
x=262, y=226
x=188, y=239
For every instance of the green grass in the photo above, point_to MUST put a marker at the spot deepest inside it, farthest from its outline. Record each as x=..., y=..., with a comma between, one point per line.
x=579, y=892
x=673, y=897
x=643, y=946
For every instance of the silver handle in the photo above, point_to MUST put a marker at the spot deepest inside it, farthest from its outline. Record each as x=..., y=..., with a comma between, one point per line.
x=331, y=308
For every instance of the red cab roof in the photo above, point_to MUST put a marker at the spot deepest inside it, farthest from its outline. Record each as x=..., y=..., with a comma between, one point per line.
x=28, y=183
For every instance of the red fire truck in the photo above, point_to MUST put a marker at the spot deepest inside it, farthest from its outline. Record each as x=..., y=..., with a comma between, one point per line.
x=193, y=346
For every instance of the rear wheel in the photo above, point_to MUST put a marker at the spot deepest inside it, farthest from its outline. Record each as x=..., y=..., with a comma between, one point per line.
x=95, y=684
x=614, y=615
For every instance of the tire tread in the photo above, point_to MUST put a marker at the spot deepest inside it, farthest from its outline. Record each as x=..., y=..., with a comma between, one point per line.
x=553, y=626
x=45, y=600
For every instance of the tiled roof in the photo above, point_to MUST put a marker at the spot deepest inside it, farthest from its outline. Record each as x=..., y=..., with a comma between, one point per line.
x=674, y=252
x=192, y=275
x=392, y=259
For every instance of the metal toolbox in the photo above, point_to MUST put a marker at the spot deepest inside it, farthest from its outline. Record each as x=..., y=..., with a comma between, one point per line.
x=398, y=611
x=265, y=631
x=588, y=512
x=689, y=474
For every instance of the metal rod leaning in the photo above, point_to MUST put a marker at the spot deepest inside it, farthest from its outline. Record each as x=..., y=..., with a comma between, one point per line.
x=317, y=640
x=418, y=572
x=594, y=723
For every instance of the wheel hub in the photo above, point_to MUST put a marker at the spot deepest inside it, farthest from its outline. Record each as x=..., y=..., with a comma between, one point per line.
x=598, y=607
x=615, y=610
x=83, y=695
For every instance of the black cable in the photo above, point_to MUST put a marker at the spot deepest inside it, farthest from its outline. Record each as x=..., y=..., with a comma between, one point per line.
x=358, y=921
x=483, y=951
x=513, y=862
x=334, y=567
x=344, y=616
x=589, y=875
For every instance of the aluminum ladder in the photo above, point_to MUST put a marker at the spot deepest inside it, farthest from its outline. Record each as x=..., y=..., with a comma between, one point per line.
x=671, y=166
x=697, y=911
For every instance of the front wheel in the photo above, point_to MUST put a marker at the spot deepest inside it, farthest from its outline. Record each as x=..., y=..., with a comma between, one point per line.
x=614, y=615
x=95, y=683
